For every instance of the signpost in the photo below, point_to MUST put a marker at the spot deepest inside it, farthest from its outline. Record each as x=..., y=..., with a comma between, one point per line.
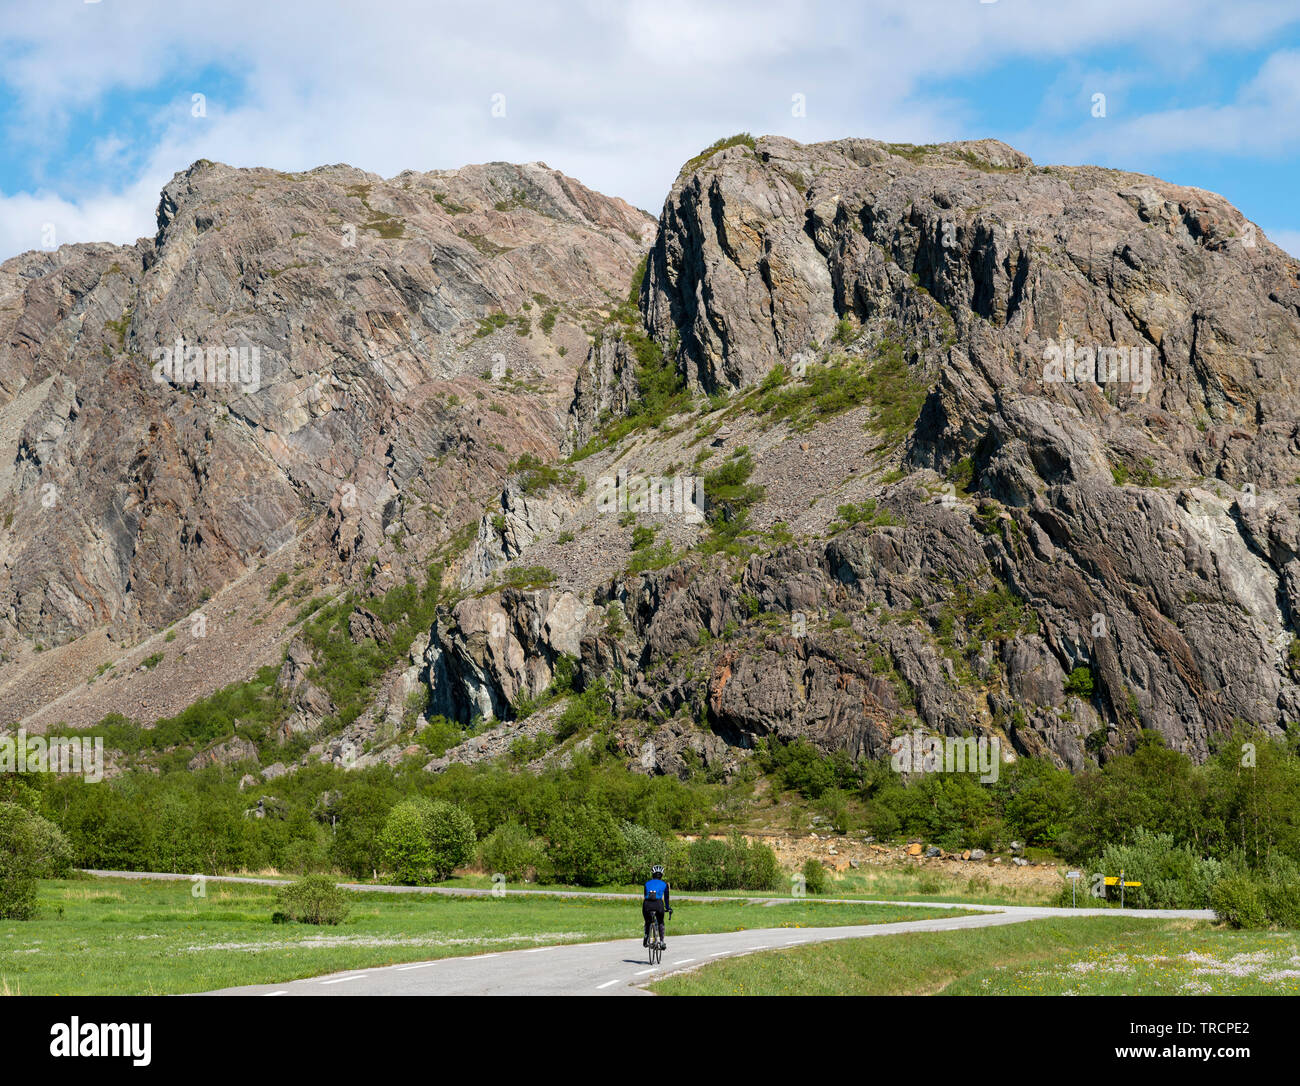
x=1111, y=880
x=1073, y=876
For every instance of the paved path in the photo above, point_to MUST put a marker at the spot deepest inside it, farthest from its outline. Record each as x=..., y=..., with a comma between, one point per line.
x=608, y=968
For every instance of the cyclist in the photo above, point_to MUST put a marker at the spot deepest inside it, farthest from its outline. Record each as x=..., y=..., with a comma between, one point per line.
x=653, y=905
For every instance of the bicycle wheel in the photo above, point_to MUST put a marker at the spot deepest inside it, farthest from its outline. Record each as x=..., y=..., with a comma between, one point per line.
x=656, y=954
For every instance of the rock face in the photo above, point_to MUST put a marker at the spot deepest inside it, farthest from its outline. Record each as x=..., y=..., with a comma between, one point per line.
x=493, y=650
x=521, y=519
x=1176, y=589
x=606, y=385
x=1108, y=367
x=401, y=342
x=1024, y=446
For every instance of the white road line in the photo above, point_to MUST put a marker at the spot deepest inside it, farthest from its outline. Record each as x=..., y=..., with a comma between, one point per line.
x=796, y=942
x=761, y=946
x=282, y=991
x=643, y=972
x=683, y=961
x=607, y=984
x=419, y=965
x=538, y=950
x=340, y=980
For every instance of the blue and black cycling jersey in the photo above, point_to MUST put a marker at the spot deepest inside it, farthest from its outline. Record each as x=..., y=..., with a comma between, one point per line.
x=656, y=894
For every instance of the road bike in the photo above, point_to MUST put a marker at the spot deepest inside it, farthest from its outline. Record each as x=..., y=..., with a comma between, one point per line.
x=656, y=946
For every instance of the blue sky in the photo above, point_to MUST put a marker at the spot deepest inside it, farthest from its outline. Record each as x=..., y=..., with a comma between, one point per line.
x=97, y=98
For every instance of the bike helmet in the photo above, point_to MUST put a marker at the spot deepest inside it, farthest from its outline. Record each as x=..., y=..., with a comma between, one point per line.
x=657, y=871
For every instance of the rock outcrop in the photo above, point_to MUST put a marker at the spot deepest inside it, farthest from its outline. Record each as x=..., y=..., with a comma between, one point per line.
x=990, y=448
x=401, y=342
x=1094, y=508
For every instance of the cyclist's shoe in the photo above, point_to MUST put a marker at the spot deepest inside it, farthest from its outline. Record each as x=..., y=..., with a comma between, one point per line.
x=663, y=946
x=645, y=940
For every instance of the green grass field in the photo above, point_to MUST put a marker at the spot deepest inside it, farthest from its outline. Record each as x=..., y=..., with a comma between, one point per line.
x=895, y=883
x=121, y=936
x=1084, y=956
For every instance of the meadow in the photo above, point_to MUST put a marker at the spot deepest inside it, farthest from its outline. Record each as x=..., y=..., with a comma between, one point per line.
x=120, y=936
x=1083, y=956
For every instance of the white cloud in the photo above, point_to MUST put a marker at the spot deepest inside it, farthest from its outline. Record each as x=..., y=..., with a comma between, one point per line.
x=617, y=96
x=1263, y=119
x=1285, y=239
x=44, y=220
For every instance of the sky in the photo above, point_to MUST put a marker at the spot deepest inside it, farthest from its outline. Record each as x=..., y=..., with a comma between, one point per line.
x=102, y=101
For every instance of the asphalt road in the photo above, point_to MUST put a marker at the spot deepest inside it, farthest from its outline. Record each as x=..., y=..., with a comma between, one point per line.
x=621, y=967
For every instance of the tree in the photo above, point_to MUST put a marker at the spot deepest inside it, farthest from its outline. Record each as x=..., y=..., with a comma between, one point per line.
x=361, y=813
x=1037, y=799
x=31, y=847
x=425, y=841
x=1154, y=788
x=585, y=847
x=404, y=844
x=451, y=837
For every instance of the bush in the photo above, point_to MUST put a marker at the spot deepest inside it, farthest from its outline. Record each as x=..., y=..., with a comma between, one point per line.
x=439, y=736
x=643, y=849
x=733, y=864
x=19, y=862
x=31, y=848
x=1172, y=877
x=424, y=841
x=801, y=767
x=1282, y=904
x=834, y=807
x=451, y=835
x=762, y=872
x=1079, y=682
x=710, y=865
x=510, y=850
x=52, y=848
x=1258, y=899
x=313, y=900
x=586, y=712
x=585, y=847
x=1236, y=900
x=814, y=877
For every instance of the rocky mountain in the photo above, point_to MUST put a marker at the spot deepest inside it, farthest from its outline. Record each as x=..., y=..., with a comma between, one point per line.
x=401, y=343
x=885, y=437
